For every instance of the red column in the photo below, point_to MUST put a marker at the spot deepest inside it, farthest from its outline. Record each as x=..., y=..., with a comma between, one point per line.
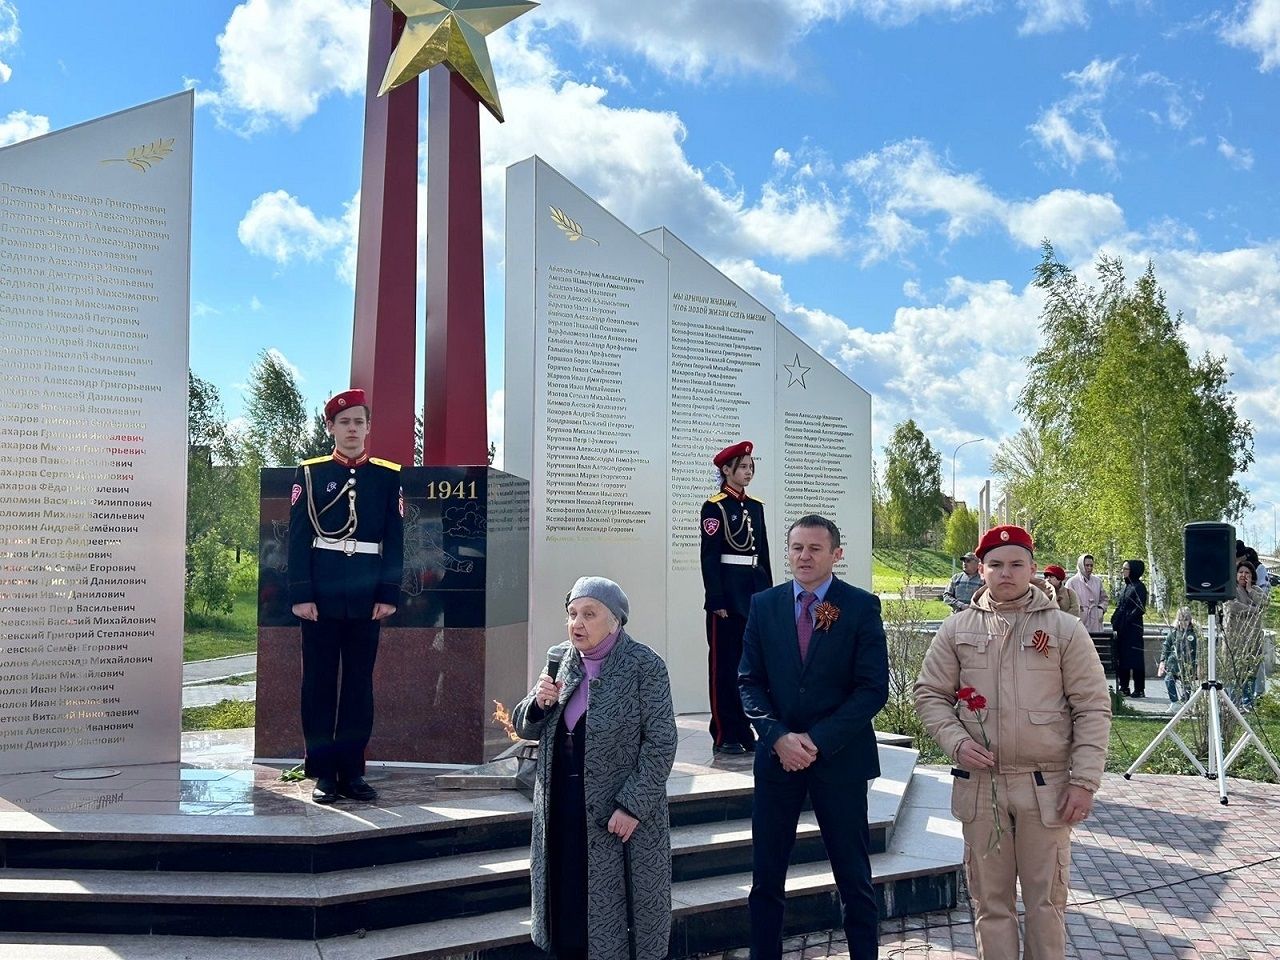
x=383, y=346
x=456, y=428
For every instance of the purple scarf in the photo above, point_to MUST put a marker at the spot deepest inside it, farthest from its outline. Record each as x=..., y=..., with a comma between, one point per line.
x=592, y=661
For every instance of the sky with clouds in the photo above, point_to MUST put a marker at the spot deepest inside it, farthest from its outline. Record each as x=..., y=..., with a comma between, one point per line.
x=880, y=173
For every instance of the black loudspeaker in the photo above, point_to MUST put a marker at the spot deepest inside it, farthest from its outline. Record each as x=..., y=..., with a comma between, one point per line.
x=1209, y=561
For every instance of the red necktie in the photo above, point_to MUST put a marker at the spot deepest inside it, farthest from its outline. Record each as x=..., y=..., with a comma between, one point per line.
x=804, y=626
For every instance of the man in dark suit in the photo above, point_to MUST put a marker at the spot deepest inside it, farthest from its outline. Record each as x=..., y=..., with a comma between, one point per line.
x=814, y=672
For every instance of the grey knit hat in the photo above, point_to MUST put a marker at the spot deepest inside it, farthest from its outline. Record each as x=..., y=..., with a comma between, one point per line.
x=604, y=590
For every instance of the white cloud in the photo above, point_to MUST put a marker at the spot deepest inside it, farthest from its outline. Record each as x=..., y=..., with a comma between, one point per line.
x=1178, y=110
x=1076, y=222
x=633, y=162
x=1257, y=29
x=1071, y=145
x=20, y=125
x=1239, y=157
x=909, y=180
x=279, y=58
x=1073, y=130
x=9, y=35
x=280, y=228
x=698, y=37
x=1046, y=16
x=496, y=412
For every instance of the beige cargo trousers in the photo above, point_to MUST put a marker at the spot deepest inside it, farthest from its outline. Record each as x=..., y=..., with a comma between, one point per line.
x=1034, y=854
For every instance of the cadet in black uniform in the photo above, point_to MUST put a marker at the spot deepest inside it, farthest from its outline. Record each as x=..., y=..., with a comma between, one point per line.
x=735, y=564
x=346, y=556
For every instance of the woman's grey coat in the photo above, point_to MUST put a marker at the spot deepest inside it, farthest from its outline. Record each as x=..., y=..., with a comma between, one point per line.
x=630, y=747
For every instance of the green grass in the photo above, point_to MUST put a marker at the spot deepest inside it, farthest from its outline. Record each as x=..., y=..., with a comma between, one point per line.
x=924, y=609
x=1131, y=732
x=229, y=681
x=927, y=566
x=224, y=715
x=222, y=636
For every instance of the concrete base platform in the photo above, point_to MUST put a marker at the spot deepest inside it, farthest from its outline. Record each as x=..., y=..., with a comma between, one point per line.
x=134, y=866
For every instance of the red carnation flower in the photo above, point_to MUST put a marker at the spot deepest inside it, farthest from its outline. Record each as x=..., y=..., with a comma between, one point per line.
x=964, y=693
x=976, y=702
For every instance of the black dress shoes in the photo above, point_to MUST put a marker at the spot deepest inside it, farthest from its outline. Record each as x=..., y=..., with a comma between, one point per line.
x=325, y=791
x=732, y=749
x=357, y=788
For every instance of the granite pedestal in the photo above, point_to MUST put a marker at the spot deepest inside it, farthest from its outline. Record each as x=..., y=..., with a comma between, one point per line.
x=458, y=640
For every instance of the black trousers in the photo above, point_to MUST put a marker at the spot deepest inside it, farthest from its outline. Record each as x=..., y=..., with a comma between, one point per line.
x=337, y=694
x=841, y=809
x=1139, y=677
x=729, y=722
x=567, y=843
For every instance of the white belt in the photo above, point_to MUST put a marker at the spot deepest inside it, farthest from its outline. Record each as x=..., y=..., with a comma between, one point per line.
x=347, y=546
x=739, y=559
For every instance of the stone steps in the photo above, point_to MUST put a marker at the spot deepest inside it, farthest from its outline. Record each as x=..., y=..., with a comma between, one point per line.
x=458, y=869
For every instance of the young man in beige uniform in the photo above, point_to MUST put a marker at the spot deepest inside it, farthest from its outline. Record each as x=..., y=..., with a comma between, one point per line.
x=1048, y=719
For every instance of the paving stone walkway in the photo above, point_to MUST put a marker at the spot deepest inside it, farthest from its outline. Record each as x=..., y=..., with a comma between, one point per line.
x=1160, y=871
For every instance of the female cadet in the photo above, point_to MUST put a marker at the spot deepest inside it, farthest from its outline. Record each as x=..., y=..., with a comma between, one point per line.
x=735, y=564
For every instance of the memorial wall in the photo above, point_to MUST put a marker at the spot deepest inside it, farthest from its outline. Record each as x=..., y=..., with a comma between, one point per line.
x=94, y=308
x=630, y=361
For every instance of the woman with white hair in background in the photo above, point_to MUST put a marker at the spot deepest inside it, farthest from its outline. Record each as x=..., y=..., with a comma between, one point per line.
x=606, y=732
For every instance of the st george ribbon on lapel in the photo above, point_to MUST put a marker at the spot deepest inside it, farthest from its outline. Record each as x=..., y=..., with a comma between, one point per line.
x=804, y=626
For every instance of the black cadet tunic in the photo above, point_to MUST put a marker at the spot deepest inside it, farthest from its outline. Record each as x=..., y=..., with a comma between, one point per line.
x=346, y=553
x=732, y=527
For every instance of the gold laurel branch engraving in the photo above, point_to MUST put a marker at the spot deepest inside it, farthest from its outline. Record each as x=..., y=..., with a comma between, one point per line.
x=143, y=158
x=572, y=229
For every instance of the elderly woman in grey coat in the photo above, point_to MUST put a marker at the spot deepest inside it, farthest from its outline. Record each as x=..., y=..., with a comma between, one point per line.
x=606, y=737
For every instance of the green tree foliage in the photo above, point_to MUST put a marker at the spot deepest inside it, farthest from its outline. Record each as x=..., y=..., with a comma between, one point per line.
x=1129, y=437
x=209, y=449
x=209, y=571
x=222, y=495
x=277, y=416
x=318, y=443
x=881, y=528
x=962, y=531
x=913, y=481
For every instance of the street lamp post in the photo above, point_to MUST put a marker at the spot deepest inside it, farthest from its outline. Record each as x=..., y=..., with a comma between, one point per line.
x=953, y=482
x=1275, y=546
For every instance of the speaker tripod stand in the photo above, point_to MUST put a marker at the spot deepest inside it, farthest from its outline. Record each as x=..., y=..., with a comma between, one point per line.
x=1212, y=690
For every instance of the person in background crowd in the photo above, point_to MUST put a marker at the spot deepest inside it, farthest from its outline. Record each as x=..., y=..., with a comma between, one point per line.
x=1261, y=576
x=735, y=565
x=963, y=585
x=1178, y=657
x=1092, y=593
x=1247, y=663
x=1031, y=674
x=607, y=738
x=1130, y=654
x=1066, y=598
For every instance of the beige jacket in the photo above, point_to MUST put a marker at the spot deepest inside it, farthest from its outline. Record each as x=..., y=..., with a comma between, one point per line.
x=1045, y=711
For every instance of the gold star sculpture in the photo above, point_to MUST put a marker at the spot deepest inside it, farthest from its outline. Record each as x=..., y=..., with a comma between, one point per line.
x=451, y=32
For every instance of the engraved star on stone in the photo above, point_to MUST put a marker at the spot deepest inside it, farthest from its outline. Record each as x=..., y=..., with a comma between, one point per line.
x=796, y=370
x=451, y=32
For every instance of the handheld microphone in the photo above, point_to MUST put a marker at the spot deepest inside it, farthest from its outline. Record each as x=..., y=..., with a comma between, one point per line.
x=553, y=664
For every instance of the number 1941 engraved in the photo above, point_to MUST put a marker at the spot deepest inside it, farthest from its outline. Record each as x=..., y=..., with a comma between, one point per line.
x=444, y=490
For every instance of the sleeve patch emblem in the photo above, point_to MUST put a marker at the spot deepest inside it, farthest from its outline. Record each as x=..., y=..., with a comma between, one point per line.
x=710, y=525
x=295, y=494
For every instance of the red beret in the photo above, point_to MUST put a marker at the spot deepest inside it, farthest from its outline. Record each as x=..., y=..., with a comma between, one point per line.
x=1053, y=570
x=1004, y=536
x=728, y=453
x=340, y=402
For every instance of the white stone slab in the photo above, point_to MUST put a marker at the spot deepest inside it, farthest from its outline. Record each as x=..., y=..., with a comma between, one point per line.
x=94, y=310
